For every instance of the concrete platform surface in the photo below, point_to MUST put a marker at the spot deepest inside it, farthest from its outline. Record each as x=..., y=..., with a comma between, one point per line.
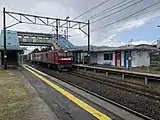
x=66, y=109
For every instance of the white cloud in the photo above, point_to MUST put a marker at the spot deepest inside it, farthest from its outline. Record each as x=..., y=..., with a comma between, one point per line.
x=136, y=22
x=127, y=25
x=132, y=24
x=137, y=42
x=72, y=8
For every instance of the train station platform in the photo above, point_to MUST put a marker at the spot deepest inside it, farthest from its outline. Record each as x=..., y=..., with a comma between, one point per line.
x=121, y=72
x=142, y=69
x=68, y=102
x=34, y=95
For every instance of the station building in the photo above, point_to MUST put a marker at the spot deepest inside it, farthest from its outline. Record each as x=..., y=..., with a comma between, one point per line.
x=124, y=56
x=14, y=52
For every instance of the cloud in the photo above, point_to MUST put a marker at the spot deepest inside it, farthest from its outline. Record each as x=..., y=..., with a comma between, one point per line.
x=136, y=22
x=108, y=41
x=132, y=23
x=72, y=8
x=137, y=42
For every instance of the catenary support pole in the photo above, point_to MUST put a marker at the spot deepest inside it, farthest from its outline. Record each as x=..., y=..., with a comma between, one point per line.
x=4, y=30
x=57, y=28
x=89, y=41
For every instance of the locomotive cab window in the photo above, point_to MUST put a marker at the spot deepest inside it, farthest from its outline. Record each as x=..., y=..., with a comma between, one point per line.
x=61, y=54
x=69, y=54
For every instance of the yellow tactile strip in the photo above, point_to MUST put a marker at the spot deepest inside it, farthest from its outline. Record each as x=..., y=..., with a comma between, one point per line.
x=77, y=101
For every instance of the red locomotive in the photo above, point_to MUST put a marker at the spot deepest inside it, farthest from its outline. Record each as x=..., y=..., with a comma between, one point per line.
x=58, y=59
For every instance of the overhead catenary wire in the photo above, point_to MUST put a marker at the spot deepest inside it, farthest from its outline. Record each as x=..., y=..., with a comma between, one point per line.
x=107, y=10
x=116, y=12
x=103, y=2
x=111, y=9
x=130, y=17
x=142, y=14
x=124, y=18
x=100, y=4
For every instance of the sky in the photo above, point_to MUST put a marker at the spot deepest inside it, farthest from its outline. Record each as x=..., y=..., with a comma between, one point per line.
x=141, y=26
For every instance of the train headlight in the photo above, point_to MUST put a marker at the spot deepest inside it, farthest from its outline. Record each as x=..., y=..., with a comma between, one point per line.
x=66, y=58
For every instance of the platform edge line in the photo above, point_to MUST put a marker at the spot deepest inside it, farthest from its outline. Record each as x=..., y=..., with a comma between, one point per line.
x=71, y=97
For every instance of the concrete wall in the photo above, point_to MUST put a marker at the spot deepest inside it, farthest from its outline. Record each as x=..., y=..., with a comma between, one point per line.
x=122, y=58
x=140, y=58
x=93, y=58
x=113, y=61
x=100, y=59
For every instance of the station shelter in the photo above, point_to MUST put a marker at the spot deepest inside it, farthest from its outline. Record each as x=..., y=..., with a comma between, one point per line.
x=14, y=52
x=80, y=57
x=123, y=56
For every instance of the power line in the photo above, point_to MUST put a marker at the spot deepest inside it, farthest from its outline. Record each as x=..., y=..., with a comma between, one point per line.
x=103, y=2
x=106, y=10
x=125, y=17
x=155, y=41
x=116, y=12
x=131, y=17
x=144, y=14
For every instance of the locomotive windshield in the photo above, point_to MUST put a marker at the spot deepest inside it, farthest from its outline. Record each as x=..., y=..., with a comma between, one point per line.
x=69, y=54
x=65, y=54
x=61, y=54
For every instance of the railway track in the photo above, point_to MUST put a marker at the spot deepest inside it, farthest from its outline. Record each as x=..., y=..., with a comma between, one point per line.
x=126, y=100
x=112, y=102
x=131, y=87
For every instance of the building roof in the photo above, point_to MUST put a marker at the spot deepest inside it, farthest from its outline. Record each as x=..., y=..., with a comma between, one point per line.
x=127, y=47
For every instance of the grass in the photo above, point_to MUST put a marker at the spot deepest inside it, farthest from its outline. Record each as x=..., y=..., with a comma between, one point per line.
x=14, y=99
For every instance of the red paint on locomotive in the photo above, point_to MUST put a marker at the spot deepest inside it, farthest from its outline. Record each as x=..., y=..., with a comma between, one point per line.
x=59, y=58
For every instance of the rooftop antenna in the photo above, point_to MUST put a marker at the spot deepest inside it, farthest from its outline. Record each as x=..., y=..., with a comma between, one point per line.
x=130, y=42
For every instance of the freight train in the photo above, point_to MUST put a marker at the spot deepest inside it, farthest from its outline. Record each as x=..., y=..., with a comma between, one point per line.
x=57, y=59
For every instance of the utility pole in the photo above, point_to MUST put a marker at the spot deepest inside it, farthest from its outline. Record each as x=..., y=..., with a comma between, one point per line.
x=4, y=30
x=89, y=40
x=67, y=30
x=57, y=28
x=67, y=26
